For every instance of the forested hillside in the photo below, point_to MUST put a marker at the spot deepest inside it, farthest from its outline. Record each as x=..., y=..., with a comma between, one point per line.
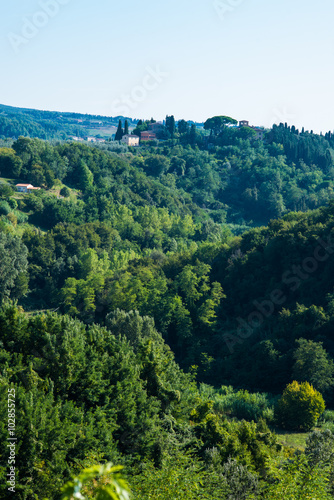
x=167, y=307
x=16, y=122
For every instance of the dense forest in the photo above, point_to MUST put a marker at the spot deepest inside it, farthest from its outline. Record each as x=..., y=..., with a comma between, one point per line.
x=169, y=308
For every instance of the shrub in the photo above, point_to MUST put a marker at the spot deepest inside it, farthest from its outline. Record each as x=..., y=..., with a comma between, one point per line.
x=299, y=407
x=12, y=203
x=65, y=191
x=249, y=406
x=240, y=482
x=4, y=208
x=327, y=416
x=5, y=191
x=12, y=219
x=242, y=404
x=21, y=217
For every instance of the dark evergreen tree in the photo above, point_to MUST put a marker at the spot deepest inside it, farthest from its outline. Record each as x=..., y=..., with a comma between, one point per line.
x=170, y=125
x=183, y=127
x=119, y=133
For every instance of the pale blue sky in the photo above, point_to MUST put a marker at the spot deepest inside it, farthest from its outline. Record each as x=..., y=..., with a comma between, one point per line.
x=259, y=60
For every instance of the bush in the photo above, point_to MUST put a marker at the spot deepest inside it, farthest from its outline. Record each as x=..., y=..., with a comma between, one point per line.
x=5, y=191
x=327, y=417
x=299, y=407
x=65, y=191
x=241, y=404
x=240, y=482
x=12, y=219
x=12, y=203
x=4, y=208
x=249, y=406
x=21, y=217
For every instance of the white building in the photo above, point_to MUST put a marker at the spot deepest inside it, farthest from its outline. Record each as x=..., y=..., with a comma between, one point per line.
x=26, y=188
x=131, y=140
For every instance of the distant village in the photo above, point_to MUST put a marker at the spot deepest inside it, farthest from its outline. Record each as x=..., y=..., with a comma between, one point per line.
x=154, y=128
x=128, y=139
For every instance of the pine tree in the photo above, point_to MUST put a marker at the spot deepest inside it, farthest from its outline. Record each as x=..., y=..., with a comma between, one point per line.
x=119, y=133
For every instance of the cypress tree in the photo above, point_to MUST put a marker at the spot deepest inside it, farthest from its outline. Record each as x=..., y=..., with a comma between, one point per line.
x=119, y=133
x=126, y=127
x=170, y=124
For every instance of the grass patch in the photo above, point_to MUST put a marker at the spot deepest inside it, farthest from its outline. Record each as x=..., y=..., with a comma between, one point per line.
x=6, y=180
x=295, y=440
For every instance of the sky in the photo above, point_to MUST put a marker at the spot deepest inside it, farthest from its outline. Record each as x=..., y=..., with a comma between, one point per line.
x=258, y=60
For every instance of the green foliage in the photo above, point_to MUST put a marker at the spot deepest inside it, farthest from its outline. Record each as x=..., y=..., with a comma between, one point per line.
x=141, y=253
x=217, y=123
x=119, y=133
x=320, y=452
x=313, y=364
x=116, y=489
x=85, y=392
x=299, y=407
x=299, y=480
x=241, y=404
x=5, y=208
x=10, y=164
x=240, y=482
x=47, y=125
x=5, y=191
x=181, y=477
x=13, y=258
x=65, y=192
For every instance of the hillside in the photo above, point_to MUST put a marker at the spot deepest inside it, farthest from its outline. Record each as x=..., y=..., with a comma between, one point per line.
x=156, y=302
x=15, y=122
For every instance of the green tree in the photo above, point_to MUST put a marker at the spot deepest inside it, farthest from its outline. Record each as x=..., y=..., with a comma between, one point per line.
x=299, y=407
x=126, y=127
x=218, y=123
x=65, y=191
x=13, y=258
x=115, y=489
x=157, y=164
x=240, y=482
x=183, y=127
x=119, y=133
x=10, y=164
x=297, y=479
x=85, y=175
x=5, y=191
x=170, y=125
x=320, y=452
x=313, y=364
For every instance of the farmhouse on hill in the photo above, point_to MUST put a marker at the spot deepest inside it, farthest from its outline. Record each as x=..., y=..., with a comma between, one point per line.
x=147, y=136
x=26, y=188
x=131, y=140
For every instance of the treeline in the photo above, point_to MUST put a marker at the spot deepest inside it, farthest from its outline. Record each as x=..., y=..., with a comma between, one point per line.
x=245, y=182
